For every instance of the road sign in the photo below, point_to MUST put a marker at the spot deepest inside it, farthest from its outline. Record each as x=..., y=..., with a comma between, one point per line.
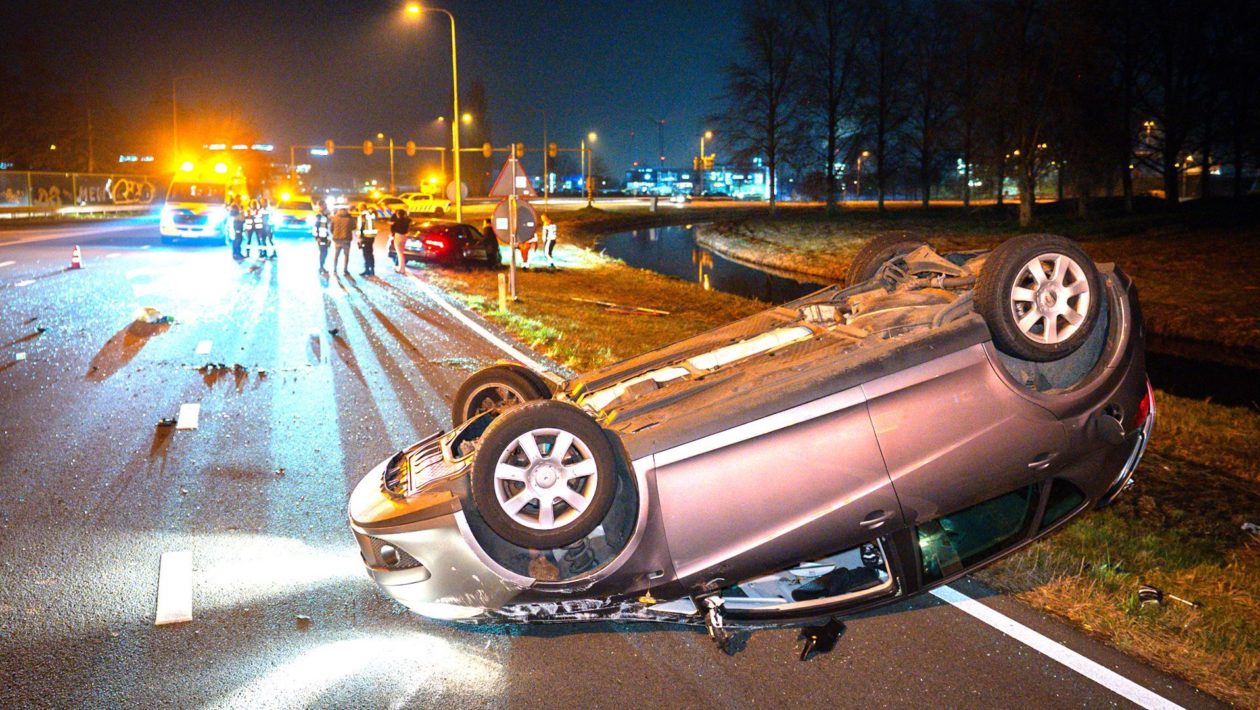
x=526, y=222
x=450, y=190
x=513, y=180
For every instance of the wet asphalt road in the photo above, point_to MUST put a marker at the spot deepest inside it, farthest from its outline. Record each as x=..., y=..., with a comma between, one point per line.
x=92, y=493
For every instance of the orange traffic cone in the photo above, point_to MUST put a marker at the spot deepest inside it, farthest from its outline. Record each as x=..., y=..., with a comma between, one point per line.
x=76, y=258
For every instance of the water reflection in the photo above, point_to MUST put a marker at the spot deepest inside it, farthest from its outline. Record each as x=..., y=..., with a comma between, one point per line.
x=673, y=251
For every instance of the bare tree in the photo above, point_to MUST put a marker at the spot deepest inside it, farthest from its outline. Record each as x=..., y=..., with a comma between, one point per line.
x=929, y=106
x=831, y=39
x=759, y=85
x=882, y=92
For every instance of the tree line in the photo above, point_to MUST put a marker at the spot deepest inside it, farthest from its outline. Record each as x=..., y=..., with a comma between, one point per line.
x=968, y=94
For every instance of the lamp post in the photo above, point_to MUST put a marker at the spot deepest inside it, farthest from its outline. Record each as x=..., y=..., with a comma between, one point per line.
x=589, y=167
x=414, y=9
x=546, y=150
x=703, y=159
x=858, y=191
x=381, y=137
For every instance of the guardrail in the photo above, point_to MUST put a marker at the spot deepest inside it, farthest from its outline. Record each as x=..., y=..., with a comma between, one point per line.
x=46, y=194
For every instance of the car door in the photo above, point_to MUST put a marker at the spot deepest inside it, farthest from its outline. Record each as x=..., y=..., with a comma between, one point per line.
x=952, y=434
x=796, y=485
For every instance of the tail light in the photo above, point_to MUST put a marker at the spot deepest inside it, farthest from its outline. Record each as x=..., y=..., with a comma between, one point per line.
x=1145, y=408
x=435, y=243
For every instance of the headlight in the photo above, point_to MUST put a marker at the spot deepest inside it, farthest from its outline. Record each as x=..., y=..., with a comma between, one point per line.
x=216, y=214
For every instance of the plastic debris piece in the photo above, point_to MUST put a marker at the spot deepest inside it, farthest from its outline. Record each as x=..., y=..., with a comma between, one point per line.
x=41, y=329
x=20, y=356
x=280, y=471
x=334, y=332
x=303, y=621
x=820, y=639
x=1150, y=595
x=183, y=491
x=166, y=421
x=1251, y=528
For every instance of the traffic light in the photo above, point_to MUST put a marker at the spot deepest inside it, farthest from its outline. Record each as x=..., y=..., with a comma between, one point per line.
x=411, y=148
x=329, y=146
x=486, y=150
x=368, y=147
x=708, y=162
x=695, y=162
x=520, y=149
x=551, y=150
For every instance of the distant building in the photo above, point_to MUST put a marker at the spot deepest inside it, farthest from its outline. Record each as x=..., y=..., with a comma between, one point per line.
x=749, y=182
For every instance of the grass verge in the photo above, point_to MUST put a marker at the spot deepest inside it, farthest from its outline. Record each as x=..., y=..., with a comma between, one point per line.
x=1179, y=530
x=1193, y=267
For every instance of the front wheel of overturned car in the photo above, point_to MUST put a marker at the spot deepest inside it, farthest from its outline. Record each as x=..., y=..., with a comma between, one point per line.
x=544, y=476
x=496, y=388
x=1039, y=294
x=879, y=250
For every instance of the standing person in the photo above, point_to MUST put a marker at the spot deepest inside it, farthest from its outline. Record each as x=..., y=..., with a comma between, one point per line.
x=236, y=222
x=367, y=239
x=549, y=240
x=342, y=235
x=253, y=231
x=398, y=233
x=322, y=231
x=492, y=244
x=268, y=238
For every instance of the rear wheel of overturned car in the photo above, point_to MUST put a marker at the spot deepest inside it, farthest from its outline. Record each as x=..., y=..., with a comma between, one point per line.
x=1039, y=294
x=874, y=253
x=496, y=388
x=544, y=476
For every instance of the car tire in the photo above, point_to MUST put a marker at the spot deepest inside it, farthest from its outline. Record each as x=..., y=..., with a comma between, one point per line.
x=495, y=388
x=873, y=254
x=1039, y=295
x=531, y=493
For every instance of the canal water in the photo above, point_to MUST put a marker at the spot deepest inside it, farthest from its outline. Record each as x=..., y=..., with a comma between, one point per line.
x=673, y=251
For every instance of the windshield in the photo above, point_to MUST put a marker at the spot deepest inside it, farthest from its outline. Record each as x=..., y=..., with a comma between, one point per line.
x=196, y=192
x=297, y=205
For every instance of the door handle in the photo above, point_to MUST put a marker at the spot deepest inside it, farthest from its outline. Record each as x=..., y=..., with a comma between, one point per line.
x=875, y=519
x=1043, y=460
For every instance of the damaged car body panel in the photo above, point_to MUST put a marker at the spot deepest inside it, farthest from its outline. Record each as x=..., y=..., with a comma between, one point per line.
x=822, y=457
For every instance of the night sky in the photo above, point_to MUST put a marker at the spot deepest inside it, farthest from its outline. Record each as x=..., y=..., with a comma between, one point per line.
x=306, y=71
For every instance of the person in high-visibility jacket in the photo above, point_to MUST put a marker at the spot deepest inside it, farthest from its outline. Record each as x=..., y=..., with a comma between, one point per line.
x=322, y=231
x=366, y=232
x=267, y=239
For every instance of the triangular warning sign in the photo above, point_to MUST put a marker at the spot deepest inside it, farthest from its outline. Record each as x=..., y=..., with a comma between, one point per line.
x=513, y=180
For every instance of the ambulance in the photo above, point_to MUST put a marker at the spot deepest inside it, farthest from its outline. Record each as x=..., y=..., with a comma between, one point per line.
x=197, y=201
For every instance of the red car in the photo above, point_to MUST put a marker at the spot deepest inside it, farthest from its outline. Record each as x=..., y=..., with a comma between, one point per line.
x=447, y=242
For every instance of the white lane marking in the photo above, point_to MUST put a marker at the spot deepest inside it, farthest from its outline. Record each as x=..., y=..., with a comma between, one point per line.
x=203, y=348
x=1096, y=672
x=475, y=326
x=113, y=255
x=67, y=233
x=174, y=600
x=6, y=263
x=27, y=282
x=188, y=416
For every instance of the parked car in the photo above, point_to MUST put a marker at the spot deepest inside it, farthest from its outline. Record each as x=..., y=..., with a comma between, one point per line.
x=296, y=214
x=447, y=242
x=419, y=203
x=827, y=456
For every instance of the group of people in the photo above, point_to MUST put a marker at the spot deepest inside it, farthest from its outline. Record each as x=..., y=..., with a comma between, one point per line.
x=251, y=229
x=342, y=229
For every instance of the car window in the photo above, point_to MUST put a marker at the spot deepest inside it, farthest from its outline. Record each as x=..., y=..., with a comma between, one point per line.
x=956, y=541
x=1064, y=498
x=296, y=205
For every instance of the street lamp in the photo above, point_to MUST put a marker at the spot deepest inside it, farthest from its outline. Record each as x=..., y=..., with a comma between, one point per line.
x=381, y=137
x=858, y=191
x=588, y=166
x=706, y=135
x=414, y=9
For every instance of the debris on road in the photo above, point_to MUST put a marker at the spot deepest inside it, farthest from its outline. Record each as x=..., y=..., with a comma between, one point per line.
x=203, y=347
x=166, y=421
x=152, y=316
x=1251, y=528
x=303, y=621
x=1150, y=595
x=618, y=308
x=20, y=356
x=280, y=471
x=188, y=416
x=334, y=332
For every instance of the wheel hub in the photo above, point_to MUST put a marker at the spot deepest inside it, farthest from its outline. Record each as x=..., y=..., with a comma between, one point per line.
x=545, y=475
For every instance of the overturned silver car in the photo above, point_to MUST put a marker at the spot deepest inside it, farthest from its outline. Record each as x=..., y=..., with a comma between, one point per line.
x=846, y=450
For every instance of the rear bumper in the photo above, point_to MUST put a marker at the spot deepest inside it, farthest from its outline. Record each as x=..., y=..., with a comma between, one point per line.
x=1124, y=479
